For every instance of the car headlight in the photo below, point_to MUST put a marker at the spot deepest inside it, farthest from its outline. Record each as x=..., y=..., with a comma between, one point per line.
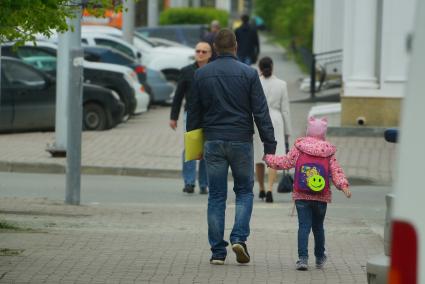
x=115, y=95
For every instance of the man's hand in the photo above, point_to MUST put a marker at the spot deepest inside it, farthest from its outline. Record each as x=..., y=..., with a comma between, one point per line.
x=347, y=192
x=173, y=124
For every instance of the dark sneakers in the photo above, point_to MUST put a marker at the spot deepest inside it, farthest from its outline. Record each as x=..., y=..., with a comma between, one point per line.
x=189, y=188
x=217, y=260
x=241, y=251
x=302, y=264
x=321, y=261
x=203, y=190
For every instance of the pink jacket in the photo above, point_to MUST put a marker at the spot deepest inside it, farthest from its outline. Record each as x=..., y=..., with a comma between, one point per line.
x=314, y=147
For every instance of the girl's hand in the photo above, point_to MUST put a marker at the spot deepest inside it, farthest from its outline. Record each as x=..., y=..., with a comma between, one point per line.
x=347, y=192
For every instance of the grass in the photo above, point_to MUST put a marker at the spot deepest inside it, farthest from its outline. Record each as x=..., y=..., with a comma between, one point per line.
x=4, y=225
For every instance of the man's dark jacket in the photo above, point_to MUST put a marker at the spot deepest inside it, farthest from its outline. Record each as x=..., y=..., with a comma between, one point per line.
x=184, y=86
x=225, y=98
x=248, y=43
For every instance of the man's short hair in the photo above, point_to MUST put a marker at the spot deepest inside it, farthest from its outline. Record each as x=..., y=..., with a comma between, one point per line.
x=245, y=18
x=225, y=41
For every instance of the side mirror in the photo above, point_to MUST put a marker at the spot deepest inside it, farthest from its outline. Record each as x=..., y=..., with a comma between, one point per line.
x=391, y=135
x=50, y=80
x=139, y=55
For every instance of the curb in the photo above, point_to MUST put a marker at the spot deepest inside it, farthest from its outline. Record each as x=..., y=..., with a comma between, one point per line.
x=51, y=168
x=356, y=131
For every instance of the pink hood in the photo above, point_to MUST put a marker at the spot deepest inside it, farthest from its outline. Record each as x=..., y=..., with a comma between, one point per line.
x=315, y=147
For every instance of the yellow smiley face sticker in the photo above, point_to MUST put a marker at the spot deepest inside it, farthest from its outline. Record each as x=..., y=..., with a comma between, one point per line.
x=316, y=183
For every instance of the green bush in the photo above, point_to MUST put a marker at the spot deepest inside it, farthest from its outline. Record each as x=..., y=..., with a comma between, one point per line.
x=193, y=16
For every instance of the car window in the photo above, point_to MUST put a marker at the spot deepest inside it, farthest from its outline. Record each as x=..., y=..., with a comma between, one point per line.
x=19, y=74
x=126, y=50
x=43, y=63
x=92, y=57
x=28, y=51
x=118, y=58
x=144, y=39
x=84, y=41
x=192, y=35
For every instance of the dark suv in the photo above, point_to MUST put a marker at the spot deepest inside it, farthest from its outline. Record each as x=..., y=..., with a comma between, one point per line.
x=105, y=78
x=185, y=34
x=28, y=100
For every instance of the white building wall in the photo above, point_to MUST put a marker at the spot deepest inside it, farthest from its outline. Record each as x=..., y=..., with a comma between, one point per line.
x=179, y=3
x=397, y=19
x=375, y=60
x=224, y=4
x=360, y=48
x=328, y=25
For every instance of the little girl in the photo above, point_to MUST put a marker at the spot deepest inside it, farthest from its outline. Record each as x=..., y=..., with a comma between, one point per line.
x=314, y=161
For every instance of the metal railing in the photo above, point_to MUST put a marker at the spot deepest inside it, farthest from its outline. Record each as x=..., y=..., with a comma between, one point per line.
x=323, y=58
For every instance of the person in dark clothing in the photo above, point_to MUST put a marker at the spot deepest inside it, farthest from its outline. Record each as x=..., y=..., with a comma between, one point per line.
x=226, y=97
x=184, y=85
x=248, y=43
x=210, y=37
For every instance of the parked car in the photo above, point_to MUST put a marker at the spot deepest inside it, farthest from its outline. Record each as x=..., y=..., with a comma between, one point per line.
x=155, y=83
x=168, y=59
x=104, y=54
x=96, y=38
x=188, y=35
x=28, y=100
x=112, y=77
x=101, y=35
x=162, y=90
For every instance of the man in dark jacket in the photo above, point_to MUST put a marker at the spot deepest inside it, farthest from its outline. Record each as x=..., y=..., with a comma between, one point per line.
x=210, y=37
x=202, y=56
x=226, y=96
x=248, y=43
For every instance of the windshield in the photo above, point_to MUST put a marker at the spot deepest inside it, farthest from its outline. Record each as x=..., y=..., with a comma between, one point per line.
x=145, y=39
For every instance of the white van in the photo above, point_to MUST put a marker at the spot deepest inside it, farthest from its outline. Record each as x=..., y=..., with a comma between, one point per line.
x=407, y=263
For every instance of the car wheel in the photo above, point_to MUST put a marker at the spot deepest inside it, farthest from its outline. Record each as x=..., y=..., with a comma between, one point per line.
x=94, y=117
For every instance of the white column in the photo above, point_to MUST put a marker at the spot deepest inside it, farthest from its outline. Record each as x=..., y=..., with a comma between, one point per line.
x=360, y=47
x=328, y=25
x=196, y=3
x=397, y=23
x=152, y=13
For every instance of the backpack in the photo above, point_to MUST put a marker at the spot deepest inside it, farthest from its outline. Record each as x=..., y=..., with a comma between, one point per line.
x=311, y=174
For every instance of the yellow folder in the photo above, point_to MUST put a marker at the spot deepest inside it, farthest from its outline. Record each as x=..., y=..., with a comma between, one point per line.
x=194, y=144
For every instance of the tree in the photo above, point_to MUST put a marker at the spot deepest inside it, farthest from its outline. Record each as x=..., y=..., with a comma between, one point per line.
x=22, y=20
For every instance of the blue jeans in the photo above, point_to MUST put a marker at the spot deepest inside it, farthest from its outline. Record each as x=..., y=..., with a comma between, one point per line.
x=219, y=155
x=311, y=215
x=189, y=167
x=189, y=173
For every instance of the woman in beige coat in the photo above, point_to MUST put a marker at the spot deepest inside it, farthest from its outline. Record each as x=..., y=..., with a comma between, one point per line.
x=278, y=102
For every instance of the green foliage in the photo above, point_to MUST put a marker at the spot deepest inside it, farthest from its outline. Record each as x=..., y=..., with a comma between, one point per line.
x=21, y=20
x=193, y=16
x=266, y=9
x=290, y=20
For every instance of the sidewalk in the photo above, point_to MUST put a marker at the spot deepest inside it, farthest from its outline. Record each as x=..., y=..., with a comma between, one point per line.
x=146, y=146
x=162, y=238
